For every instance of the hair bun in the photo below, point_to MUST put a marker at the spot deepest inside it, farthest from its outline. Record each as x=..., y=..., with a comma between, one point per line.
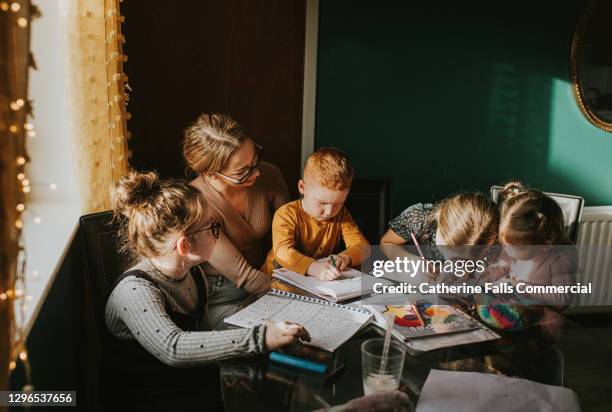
x=511, y=189
x=133, y=191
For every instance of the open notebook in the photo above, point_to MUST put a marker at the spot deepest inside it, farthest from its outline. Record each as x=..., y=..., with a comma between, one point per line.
x=329, y=324
x=353, y=284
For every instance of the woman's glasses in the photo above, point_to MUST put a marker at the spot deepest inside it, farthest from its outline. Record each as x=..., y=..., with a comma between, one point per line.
x=238, y=180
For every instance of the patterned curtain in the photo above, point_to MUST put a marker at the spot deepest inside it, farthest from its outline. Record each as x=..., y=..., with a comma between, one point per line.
x=96, y=90
x=15, y=60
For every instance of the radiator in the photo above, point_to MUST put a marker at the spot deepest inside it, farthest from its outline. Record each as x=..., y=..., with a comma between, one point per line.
x=595, y=258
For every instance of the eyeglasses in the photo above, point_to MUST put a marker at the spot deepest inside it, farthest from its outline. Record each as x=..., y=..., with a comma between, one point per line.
x=214, y=227
x=240, y=180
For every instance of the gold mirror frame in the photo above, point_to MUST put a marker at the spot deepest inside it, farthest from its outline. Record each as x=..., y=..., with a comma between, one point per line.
x=583, y=20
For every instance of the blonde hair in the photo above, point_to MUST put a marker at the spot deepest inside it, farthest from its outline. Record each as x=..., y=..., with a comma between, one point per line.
x=330, y=168
x=150, y=210
x=467, y=219
x=529, y=217
x=210, y=141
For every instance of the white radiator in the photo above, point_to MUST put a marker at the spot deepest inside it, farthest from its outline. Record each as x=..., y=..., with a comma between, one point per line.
x=595, y=256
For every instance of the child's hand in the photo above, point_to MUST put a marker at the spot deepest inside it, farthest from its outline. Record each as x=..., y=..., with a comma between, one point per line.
x=342, y=261
x=495, y=271
x=283, y=333
x=323, y=271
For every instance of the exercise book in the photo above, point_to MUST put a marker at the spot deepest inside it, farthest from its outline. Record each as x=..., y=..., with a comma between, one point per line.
x=329, y=324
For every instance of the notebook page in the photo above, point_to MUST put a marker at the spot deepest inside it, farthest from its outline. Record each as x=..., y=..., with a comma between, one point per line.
x=329, y=326
x=352, y=284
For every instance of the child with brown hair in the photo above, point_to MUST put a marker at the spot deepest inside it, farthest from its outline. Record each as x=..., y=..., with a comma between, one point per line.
x=157, y=309
x=535, y=251
x=465, y=219
x=534, y=240
x=306, y=230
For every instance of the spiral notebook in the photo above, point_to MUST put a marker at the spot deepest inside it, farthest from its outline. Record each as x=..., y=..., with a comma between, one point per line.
x=329, y=324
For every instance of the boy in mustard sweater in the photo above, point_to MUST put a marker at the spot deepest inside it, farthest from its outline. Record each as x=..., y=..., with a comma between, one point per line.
x=313, y=227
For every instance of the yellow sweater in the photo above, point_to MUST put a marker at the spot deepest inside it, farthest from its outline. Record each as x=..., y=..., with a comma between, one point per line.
x=299, y=239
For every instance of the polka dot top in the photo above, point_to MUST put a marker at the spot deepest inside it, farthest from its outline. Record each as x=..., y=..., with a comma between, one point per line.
x=136, y=310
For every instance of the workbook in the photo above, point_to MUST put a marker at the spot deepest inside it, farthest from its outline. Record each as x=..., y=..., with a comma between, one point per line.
x=329, y=324
x=351, y=285
x=436, y=320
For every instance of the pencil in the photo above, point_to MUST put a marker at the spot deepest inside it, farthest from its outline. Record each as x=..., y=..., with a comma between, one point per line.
x=416, y=243
x=333, y=261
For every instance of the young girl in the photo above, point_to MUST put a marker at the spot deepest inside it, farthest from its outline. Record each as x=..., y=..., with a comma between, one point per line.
x=158, y=308
x=466, y=219
x=536, y=251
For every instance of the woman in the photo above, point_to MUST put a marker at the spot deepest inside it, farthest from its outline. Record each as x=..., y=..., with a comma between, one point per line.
x=158, y=308
x=244, y=194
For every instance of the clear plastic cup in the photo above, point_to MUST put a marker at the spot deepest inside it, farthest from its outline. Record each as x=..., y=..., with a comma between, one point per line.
x=388, y=378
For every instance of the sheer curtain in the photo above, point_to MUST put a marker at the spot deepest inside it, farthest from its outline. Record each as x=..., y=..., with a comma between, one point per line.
x=96, y=89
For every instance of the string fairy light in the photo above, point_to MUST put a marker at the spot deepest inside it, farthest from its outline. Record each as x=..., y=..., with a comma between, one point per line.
x=18, y=105
x=117, y=99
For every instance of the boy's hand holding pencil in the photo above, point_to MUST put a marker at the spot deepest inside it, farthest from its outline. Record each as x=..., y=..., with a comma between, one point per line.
x=330, y=268
x=342, y=261
x=324, y=270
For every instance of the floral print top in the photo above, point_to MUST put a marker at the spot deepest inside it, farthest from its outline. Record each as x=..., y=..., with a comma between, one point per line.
x=417, y=219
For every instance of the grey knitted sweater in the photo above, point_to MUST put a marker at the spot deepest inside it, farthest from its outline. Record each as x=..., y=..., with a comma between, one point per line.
x=136, y=310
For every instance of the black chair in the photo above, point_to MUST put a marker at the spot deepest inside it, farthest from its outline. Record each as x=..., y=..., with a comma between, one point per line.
x=102, y=265
x=370, y=205
x=103, y=262
x=570, y=205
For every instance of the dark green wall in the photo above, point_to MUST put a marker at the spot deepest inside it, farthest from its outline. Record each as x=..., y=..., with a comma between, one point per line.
x=453, y=97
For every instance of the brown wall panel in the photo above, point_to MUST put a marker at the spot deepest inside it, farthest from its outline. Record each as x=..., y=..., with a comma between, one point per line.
x=242, y=57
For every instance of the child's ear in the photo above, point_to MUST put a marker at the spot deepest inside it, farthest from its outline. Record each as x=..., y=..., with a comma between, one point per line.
x=301, y=186
x=182, y=246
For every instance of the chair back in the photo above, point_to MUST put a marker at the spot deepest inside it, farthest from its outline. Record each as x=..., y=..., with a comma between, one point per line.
x=103, y=262
x=369, y=202
x=570, y=205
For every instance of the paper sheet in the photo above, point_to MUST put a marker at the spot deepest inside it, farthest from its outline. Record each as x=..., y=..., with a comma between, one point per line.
x=472, y=391
x=328, y=326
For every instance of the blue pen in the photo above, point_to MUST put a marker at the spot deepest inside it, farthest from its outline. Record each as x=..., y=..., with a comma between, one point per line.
x=298, y=362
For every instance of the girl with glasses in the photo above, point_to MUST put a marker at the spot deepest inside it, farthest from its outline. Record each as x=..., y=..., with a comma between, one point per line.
x=244, y=192
x=157, y=310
